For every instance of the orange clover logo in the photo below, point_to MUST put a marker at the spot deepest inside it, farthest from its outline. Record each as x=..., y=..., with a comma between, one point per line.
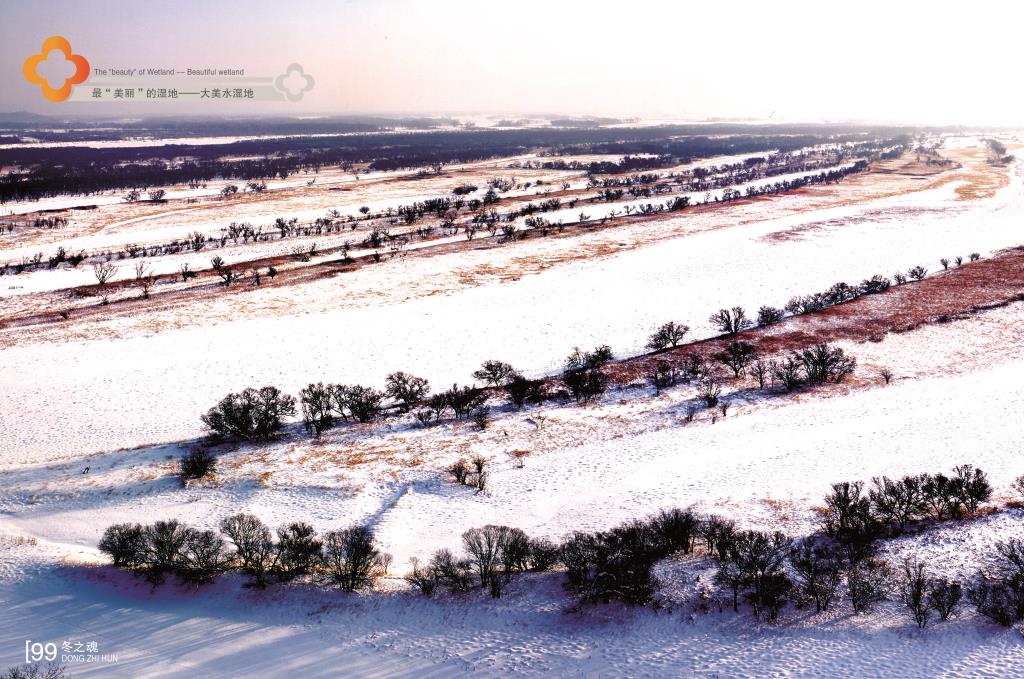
x=56, y=42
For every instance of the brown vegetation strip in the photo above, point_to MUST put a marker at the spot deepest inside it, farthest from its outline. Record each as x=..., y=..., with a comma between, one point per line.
x=208, y=282
x=948, y=295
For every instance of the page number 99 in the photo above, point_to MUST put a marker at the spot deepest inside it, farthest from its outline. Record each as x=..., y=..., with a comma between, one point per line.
x=35, y=651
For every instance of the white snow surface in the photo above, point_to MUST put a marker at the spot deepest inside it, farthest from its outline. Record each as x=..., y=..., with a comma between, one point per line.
x=90, y=430
x=532, y=322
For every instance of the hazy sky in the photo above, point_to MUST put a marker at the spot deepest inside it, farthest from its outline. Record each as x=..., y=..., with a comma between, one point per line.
x=894, y=61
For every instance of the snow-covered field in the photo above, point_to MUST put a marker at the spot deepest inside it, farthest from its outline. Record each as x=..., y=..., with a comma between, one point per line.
x=93, y=418
x=399, y=316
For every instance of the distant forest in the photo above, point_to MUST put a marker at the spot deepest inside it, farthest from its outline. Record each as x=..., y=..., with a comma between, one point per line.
x=44, y=172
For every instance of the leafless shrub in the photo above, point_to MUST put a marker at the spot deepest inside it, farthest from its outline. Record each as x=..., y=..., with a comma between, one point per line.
x=582, y=375
x=917, y=273
x=488, y=548
x=768, y=315
x=196, y=464
x=255, y=552
x=709, y=390
x=1018, y=485
x=406, y=389
x=818, y=573
x=789, y=372
x=730, y=322
x=454, y=573
x=522, y=390
x=50, y=670
x=459, y=471
x=251, y=414
x=228, y=275
x=825, y=363
x=668, y=335
x=363, y=404
x=481, y=417
x=663, y=375
x=494, y=373
x=351, y=558
x=869, y=583
x=317, y=404
x=914, y=590
x=423, y=578
x=737, y=355
x=103, y=271
x=944, y=597
x=760, y=371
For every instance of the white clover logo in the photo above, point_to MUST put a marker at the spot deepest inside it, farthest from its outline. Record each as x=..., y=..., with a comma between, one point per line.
x=294, y=82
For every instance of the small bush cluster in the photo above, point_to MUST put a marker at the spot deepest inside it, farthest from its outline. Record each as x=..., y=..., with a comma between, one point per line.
x=196, y=464
x=667, y=336
x=582, y=375
x=347, y=557
x=998, y=594
x=323, y=404
x=820, y=364
x=472, y=473
x=494, y=554
x=165, y=548
x=855, y=518
x=253, y=414
x=765, y=570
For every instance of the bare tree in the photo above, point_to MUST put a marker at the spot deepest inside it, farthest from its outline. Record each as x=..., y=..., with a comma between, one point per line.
x=788, y=371
x=146, y=284
x=917, y=273
x=817, y=571
x=663, y=375
x=317, y=402
x=730, y=321
x=104, y=271
x=255, y=552
x=1018, y=485
x=868, y=583
x=709, y=390
x=944, y=597
x=737, y=356
x=352, y=559
x=759, y=370
x=914, y=590
x=668, y=335
x=494, y=373
x=406, y=389
x=228, y=275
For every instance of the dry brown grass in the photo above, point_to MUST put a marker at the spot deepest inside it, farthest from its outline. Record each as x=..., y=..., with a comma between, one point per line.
x=126, y=302
x=956, y=293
